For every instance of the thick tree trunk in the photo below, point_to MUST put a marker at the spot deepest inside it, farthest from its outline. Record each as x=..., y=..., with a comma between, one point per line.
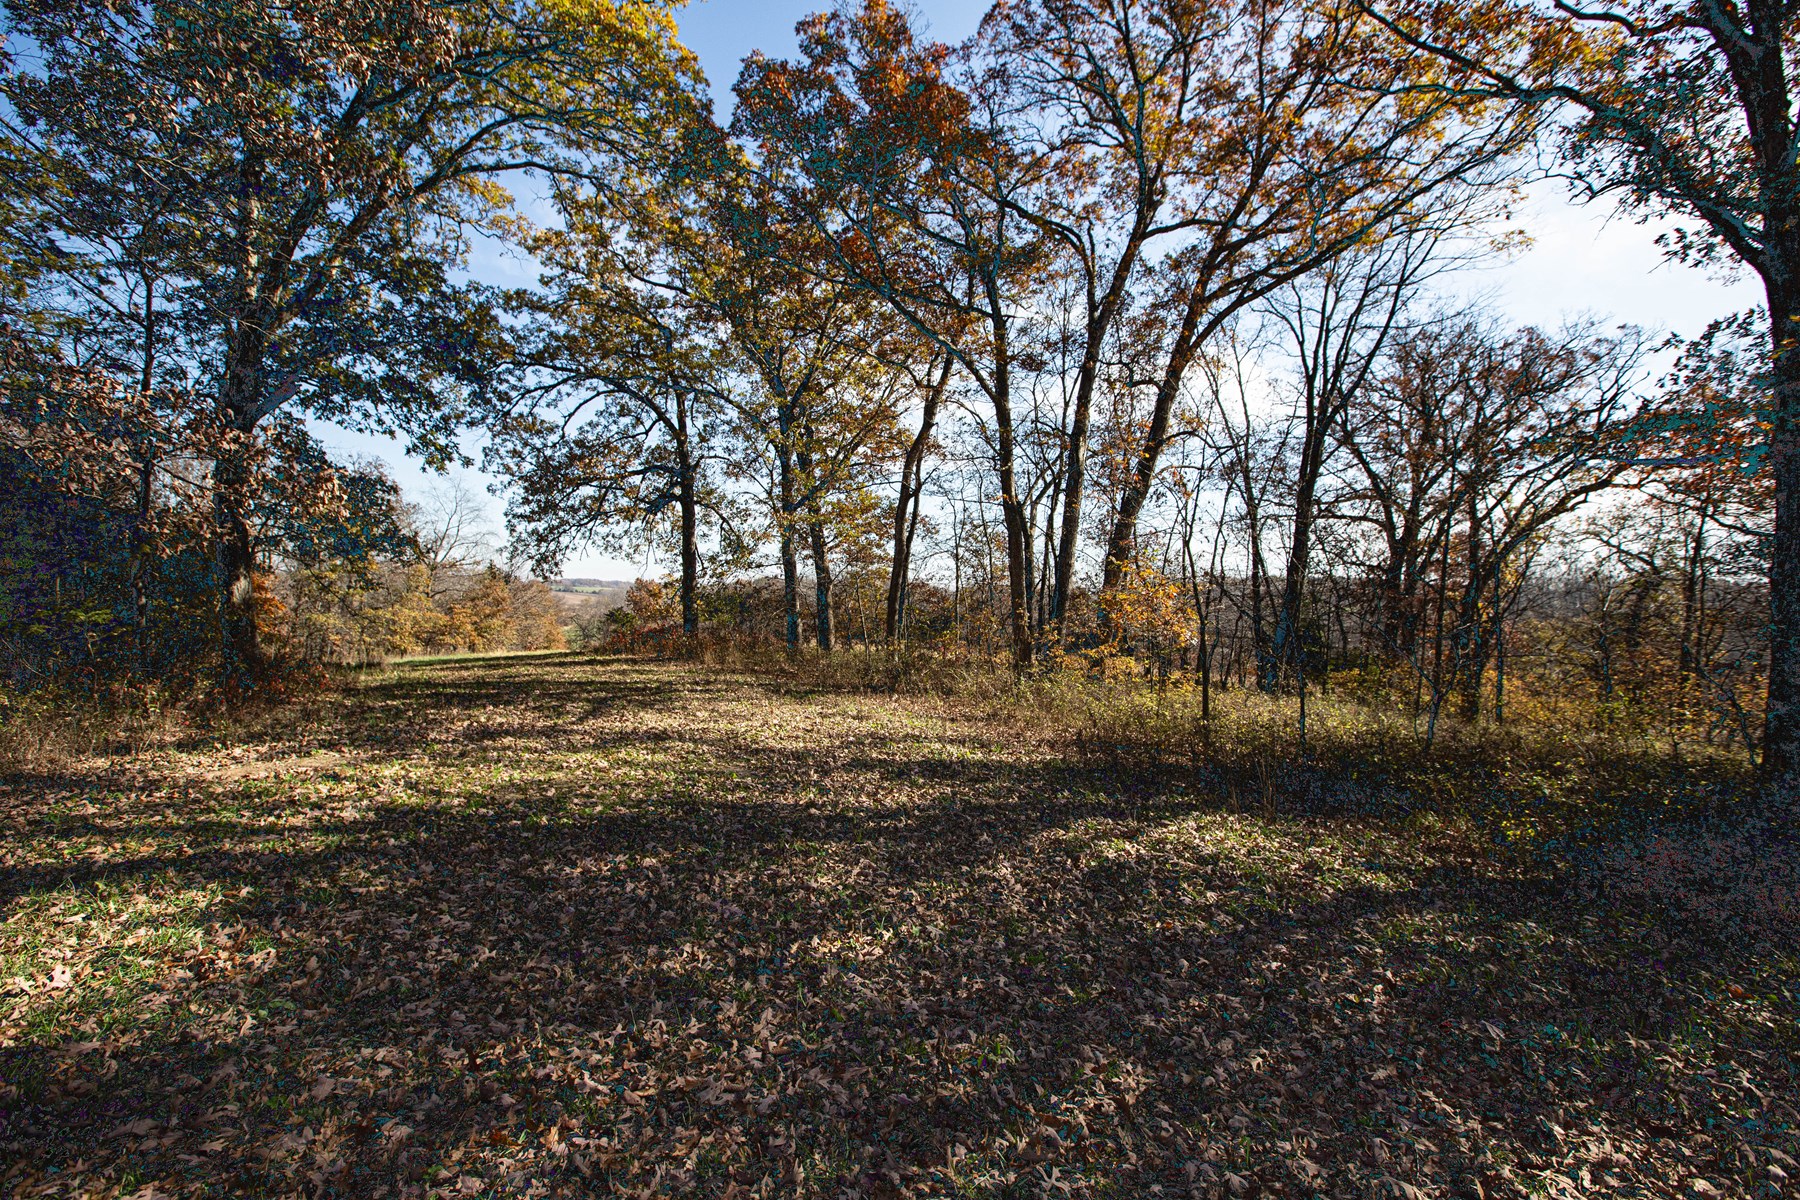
x=1259, y=627
x=1074, y=480
x=1074, y=484
x=1391, y=601
x=1120, y=546
x=912, y=533
x=1469, y=661
x=1012, y=507
x=1029, y=545
x=245, y=656
x=790, y=565
x=1259, y=574
x=239, y=409
x=1013, y=511
x=790, y=590
x=821, y=565
x=1781, y=725
x=1400, y=588
x=815, y=537
x=1286, y=649
x=140, y=532
x=690, y=528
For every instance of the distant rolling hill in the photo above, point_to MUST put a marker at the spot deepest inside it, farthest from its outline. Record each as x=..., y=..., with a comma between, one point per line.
x=600, y=593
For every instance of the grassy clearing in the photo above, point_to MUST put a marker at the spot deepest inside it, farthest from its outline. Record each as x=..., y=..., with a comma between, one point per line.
x=560, y=926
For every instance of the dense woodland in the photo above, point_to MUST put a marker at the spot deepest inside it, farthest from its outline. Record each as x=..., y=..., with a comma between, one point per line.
x=1125, y=333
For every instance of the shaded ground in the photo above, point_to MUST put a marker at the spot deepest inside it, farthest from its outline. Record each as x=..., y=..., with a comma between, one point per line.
x=555, y=926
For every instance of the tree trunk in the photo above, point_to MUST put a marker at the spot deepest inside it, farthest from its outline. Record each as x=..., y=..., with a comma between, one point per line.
x=1136, y=489
x=1012, y=507
x=815, y=537
x=790, y=566
x=1028, y=544
x=1040, y=613
x=1120, y=545
x=956, y=551
x=690, y=522
x=1691, y=585
x=906, y=506
x=1499, y=641
x=1475, y=645
x=1259, y=573
x=140, y=533
x=1400, y=580
x=821, y=564
x=245, y=656
x=1781, y=725
x=1203, y=648
x=239, y=409
x=912, y=533
x=1259, y=637
x=790, y=591
x=140, y=556
x=1100, y=317
x=1286, y=649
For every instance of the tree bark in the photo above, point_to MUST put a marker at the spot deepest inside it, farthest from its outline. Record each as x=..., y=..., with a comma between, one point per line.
x=1136, y=490
x=1285, y=651
x=906, y=506
x=821, y=564
x=690, y=524
x=790, y=566
x=140, y=532
x=1011, y=505
x=239, y=410
x=1781, y=724
x=1040, y=613
x=1468, y=660
x=1100, y=317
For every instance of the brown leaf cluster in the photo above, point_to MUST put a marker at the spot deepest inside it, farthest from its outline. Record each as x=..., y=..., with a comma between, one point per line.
x=567, y=927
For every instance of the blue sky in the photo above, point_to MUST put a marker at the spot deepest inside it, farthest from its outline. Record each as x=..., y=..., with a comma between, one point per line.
x=722, y=32
x=1583, y=259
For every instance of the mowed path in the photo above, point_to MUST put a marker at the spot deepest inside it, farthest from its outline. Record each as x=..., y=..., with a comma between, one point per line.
x=566, y=926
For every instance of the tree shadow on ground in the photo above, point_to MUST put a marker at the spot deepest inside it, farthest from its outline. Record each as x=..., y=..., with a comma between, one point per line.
x=841, y=963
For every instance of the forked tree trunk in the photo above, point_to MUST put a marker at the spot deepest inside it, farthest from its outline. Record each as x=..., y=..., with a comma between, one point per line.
x=1011, y=505
x=906, y=506
x=1099, y=323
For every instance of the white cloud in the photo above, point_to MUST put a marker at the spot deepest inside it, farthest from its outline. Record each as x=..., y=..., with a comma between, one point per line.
x=1589, y=259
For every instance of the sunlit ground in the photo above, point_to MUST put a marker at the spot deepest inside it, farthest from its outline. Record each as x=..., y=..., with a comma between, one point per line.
x=559, y=926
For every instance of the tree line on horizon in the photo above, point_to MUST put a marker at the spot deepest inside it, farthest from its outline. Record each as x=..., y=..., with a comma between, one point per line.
x=1127, y=326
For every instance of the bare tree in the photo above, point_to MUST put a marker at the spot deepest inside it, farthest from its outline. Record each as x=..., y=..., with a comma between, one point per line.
x=1337, y=323
x=450, y=528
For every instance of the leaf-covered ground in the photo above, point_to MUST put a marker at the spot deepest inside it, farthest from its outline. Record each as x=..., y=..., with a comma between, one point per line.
x=559, y=926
